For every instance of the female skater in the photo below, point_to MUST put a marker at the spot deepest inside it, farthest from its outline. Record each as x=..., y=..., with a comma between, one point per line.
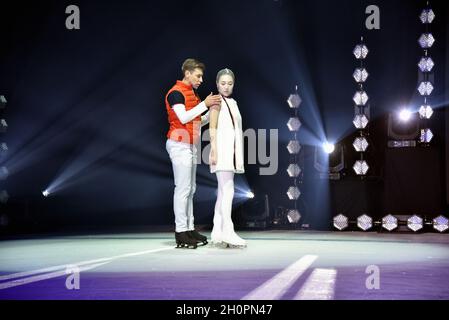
x=226, y=158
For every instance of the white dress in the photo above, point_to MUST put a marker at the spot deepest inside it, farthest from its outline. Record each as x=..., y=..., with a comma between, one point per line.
x=229, y=138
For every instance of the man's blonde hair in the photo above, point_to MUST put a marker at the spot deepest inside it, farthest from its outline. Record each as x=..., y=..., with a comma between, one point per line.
x=191, y=65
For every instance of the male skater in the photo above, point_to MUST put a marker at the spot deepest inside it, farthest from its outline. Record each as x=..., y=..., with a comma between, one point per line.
x=184, y=109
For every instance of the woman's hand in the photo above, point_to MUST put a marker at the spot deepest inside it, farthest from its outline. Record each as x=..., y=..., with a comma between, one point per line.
x=213, y=156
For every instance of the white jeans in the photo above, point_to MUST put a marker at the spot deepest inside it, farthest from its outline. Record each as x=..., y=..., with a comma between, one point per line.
x=183, y=157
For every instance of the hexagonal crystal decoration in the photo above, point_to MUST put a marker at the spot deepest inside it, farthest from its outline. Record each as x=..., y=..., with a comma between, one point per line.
x=364, y=222
x=293, y=147
x=427, y=16
x=293, y=216
x=294, y=124
x=360, y=98
x=426, y=64
x=293, y=170
x=390, y=222
x=425, y=88
x=4, y=196
x=3, y=125
x=360, y=75
x=360, y=51
x=294, y=100
x=2, y=102
x=441, y=223
x=425, y=112
x=341, y=222
x=360, y=144
x=426, y=136
x=293, y=193
x=426, y=40
x=360, y=167
x=360, y=121
x=415, y=223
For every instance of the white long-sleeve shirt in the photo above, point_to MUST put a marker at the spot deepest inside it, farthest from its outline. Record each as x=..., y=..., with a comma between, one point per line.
x=187, y=116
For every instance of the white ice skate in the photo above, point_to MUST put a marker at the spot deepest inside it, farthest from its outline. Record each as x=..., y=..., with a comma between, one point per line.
x=216, y=237
x=232, y=240
x=216, y=233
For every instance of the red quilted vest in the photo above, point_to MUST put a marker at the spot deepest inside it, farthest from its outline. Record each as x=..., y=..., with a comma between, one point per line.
x=189, y=132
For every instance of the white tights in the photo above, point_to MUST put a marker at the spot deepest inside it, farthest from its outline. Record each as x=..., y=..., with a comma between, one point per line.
x=223, y=230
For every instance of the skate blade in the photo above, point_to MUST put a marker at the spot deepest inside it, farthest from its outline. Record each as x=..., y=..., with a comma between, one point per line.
x=234, y=246
x=185, y=246
x=218, y=244
x=202, y=243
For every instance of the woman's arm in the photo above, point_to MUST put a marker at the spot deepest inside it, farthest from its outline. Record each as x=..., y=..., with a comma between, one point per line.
x=213, y=124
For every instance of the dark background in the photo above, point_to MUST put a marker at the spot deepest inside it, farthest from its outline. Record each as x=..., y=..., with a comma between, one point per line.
x=86, y=107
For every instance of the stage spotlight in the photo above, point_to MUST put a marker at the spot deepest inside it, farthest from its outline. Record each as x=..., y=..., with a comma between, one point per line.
x=360, y=75
x=360, y=167
x=360, y=51
x=293, y=193
x=365, y=222
x=4, y=196
x=293, y=170
x=3, y=125
x=405, y=115
x=415, y=223
x=426, y=64
x=294, y=124
x=4, y=173
x=250, y=195
x=45, y=193
x=293, y=216
x=328, y=147
x=360, y=121
x=390, y=222
x=2, y=102
x=294, y=147
x=403, y=134
x=425, y=88
x=441, y=223
x=426, y=40
x=427, y=16
x=329, y=166
x=425, y=111
x=294, y=100
x=360, y=98
x=360, y=144
x=341, y=222
x=426, y=136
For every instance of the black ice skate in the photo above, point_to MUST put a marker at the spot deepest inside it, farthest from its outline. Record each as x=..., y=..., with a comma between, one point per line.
x=183, y=240
x=198, y=237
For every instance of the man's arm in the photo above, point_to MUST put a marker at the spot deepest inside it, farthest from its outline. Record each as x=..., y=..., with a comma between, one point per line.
x=205, y=119
x=177, y=102
x=187, y=116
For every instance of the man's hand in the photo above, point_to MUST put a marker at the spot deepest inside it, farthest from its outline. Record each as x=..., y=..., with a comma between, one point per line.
x=212, y=100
